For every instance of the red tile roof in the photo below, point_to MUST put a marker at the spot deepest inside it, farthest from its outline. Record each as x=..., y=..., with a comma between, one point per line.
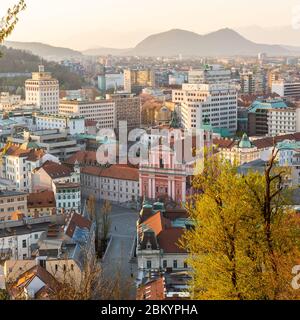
x=121, y=172
x=77, y=221
x=272, y=141
x=224, y=143
x=56, y=170
x=167, y=236
x=29, y=154
x=168, y=240
x=43, y=199
x=83, y=158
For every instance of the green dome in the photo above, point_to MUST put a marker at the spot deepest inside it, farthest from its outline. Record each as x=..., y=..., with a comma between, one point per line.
x=245, y=142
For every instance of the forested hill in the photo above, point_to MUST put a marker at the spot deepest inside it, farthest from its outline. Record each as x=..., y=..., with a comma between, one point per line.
x=18, y=61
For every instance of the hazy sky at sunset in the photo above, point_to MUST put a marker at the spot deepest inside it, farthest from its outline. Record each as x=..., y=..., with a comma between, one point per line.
x=82, y=24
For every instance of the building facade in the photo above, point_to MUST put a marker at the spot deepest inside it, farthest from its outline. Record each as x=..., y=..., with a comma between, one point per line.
x=102, y=111
x=214, y=102
x=43, y=91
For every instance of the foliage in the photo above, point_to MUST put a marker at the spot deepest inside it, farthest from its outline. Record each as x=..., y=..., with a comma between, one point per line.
x=18, y=61
x=4, y=295
x=106, y=223
x=245, y=241
x=9, y=21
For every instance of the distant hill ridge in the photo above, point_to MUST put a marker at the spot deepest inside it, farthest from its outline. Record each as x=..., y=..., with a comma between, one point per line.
x=224, y=42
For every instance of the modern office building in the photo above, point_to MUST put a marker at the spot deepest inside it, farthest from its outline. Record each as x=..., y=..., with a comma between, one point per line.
x=69, y=123
x=102, y=111
x=136, y=80
x=271, y=117
x=214, y=102
x=286, y=89
x=209, y=74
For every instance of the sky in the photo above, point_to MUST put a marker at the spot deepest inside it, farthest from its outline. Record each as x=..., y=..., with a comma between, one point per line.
x=84, y=24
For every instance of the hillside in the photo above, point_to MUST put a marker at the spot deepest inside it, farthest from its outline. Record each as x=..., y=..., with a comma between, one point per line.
x=17, y=61
x=224, y=42
x=45, y=51
x=220, y=43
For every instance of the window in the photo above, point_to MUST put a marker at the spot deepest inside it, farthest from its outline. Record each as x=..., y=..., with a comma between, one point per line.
x=149, y=264
x=165, y=264
x=24, y=244
x=175, y=264
x=185, y=265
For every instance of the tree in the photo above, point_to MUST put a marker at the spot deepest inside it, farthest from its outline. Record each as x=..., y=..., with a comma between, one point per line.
x=91, y=209
x=4, y=295
x=9, y=21
x=106, y=223
x=245, y=242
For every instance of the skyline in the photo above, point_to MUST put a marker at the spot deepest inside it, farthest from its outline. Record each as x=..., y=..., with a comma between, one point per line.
x=119, y=25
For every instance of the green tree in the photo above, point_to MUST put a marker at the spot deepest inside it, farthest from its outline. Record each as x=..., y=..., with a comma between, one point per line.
x=245, y=241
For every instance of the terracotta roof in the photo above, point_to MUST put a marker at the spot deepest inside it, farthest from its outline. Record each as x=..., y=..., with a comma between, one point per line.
x=157, y=223
x=121, y=172
x=56, y=170
x=83, y=157
x=30, y=154
x=77, y=221
x=153, y=290
x=271, y=141
x=168, y=240
x=51, y=284
x=224, y=143
x=167, y=236
x=43, y=199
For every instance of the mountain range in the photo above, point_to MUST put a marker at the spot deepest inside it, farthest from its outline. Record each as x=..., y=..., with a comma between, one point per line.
x=224, y=42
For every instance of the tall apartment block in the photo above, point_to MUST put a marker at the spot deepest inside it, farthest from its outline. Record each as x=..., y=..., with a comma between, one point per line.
x=136, y=80
x=127, y=108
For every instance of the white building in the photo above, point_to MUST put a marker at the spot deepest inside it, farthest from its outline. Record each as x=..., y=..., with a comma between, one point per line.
x=286, y=89
x=16, y=242
x=215, y=102
x=72, y=124
x=210, y=74
x=102, y=111
x=9, y=102
x=63, y=181
x=43, y=90
x=18, y=163
x=118, y=184
x=289, y=156
x=158, y=235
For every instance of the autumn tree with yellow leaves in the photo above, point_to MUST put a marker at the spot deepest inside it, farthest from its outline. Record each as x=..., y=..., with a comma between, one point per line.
x=246, y=240
x=9, y=21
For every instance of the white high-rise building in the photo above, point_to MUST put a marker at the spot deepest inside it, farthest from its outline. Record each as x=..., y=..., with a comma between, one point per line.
x=286, y=89
x=214, y=102
x=43, y=91
x=209, y=75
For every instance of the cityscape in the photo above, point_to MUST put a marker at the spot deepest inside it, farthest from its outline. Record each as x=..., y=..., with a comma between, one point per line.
x=165, y=171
